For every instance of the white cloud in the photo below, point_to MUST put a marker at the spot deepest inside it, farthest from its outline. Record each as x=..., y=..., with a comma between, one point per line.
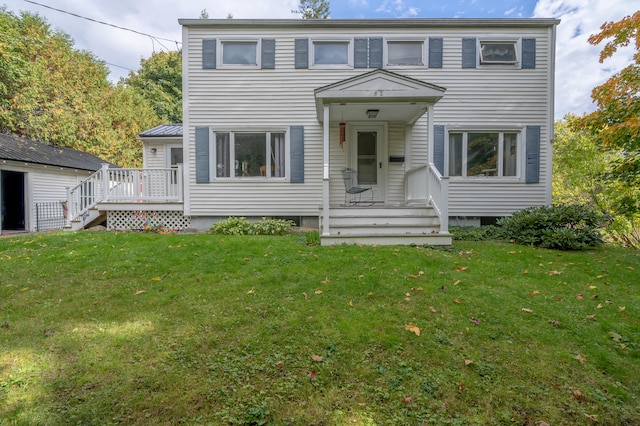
x=577, y=67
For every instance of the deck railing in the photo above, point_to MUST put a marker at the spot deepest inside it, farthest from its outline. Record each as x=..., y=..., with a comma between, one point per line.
x=425, y=185
x=111, y=185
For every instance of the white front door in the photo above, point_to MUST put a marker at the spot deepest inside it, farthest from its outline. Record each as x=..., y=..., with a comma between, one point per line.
x=368, y=155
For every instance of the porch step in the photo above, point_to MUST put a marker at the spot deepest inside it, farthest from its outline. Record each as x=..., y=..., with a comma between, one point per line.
x=94, y=217
x=384, y=225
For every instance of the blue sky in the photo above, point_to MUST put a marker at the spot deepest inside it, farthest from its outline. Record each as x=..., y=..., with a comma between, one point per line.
x=577, y=66
x=432, y=9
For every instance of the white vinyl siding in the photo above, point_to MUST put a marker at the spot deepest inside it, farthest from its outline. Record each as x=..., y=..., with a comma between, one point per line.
x=475, y=97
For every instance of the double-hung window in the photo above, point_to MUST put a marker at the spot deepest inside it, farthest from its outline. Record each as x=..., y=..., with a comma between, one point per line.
x=249, y=155
x=405, y=53
x=239, y=53
x=483, y=153
x=498, y=52
x=332, y=53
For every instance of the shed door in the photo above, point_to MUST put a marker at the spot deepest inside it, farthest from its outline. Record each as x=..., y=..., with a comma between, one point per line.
x=12, y=200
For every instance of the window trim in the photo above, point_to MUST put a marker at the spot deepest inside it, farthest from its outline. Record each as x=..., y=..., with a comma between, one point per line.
x=520, y=155
x=220, y=53
x=517, y=47
x=267, y=131
x=424, y=51
x=350, y=55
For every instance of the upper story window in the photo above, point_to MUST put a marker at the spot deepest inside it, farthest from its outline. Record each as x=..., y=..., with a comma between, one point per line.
x=405, y=53
x=498, y=53
x=239, y=52
x=331, y=53
x=477, y=154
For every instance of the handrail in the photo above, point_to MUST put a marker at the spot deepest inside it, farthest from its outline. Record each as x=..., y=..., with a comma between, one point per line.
x=425, y=185
x=114, y=185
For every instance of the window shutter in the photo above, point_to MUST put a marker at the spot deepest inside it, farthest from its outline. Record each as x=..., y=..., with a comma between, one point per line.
x=469, y=56
x=202, y=154
x=302, y=53
x=532, y=170
x=296, y=139
x=375, y=53
x=209, y=53
x=435, y=52
x=268, y=53
x=528, y=53
x=361, y=52
x=438, y=147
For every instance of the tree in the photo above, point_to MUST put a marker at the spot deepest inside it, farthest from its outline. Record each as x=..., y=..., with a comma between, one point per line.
x=313, y=9
x=56, y=94
x=159, y=81
x=616, y=122
x=584, y=173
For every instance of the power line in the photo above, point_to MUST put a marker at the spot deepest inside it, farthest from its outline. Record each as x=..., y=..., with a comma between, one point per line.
x=108, y=24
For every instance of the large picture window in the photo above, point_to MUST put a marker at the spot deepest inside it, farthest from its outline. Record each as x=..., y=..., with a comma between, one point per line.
x=249, y=155
x=477, y=154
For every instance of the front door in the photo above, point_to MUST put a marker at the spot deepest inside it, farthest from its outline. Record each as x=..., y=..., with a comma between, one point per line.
x=368, y=158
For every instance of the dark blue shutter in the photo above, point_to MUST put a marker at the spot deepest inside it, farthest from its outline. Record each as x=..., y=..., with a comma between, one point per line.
x=438, y=147
x=302, y=53
x=209, y=53
x=268, y=53
x=375, y=53
x=532, y=167
x=202, y=154
x=469, y=56
x=528, y=53
x=435, y=52
x=296, y=139
x=360, y=53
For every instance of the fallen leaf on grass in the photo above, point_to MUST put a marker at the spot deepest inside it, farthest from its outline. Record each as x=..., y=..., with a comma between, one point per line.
x=578, y=395
x=554, y=273
x=139, y=292
x=579, y=296
x=621, y=308
x=599, y=306
x=555, y=324
x=475, y=320
x=252, y=291
x=526, y=271
x=406, y=399
x=591, y=287
x=279, y=364
x=468, y=362
x=432, y=309
x=543, y=423
x=412, y=328
x=592, y=417
x=527, y=310
x=305, y=295
x=326, y=281
x=156, y=279
x=351, y=303
x=461, y=268
x=456, y=301
x=591, y=317
x=416, y=289
x=317, y=358
x=312, y=374
x=581, y=359
x=456, y=282
x=318, y=292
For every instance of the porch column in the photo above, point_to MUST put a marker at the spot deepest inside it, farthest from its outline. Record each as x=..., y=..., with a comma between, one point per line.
x=430, y=139
x=325, y=172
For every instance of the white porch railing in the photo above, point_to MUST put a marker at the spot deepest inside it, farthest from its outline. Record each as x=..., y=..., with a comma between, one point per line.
x=109, y=185
x=425, y=185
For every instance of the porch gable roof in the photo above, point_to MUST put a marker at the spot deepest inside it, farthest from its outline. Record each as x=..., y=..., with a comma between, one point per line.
x=407, y=97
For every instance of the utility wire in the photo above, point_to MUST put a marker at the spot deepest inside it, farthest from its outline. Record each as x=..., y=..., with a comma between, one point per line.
x=106, y=23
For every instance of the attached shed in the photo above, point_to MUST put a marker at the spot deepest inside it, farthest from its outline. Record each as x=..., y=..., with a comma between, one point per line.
x=34, y=178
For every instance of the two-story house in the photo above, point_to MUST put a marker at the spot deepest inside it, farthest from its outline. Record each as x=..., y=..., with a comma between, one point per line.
x=443, y=120
x=452, y=116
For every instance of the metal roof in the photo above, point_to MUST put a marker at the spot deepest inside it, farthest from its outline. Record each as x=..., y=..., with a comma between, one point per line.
x=16, y=148
x=163, y=131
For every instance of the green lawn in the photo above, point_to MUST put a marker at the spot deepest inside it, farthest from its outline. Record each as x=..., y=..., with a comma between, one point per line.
x=142, y=328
